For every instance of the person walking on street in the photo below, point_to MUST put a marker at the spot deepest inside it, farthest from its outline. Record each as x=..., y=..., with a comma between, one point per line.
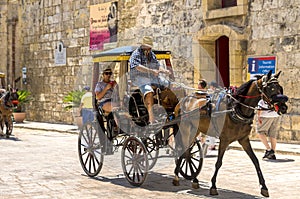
x=86, y=106
x=213, y=86
x=267, y=126
x=201, y=92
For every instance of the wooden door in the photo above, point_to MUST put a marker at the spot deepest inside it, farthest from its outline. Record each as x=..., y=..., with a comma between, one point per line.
x=222, y=61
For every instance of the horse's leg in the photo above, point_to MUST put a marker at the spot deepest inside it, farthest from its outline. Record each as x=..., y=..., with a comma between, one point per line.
x=193, y=138
x=1, y=125
x=247, y=147
x=181, y=142
x=222, y=148
x=178, y=144
x=176, y=171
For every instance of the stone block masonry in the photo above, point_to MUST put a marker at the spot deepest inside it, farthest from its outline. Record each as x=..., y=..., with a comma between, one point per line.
x=265, y=27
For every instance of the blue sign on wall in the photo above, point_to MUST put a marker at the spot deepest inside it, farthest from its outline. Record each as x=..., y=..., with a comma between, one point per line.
x=261, y=65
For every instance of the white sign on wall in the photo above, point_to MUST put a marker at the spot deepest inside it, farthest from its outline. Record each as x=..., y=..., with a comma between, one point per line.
x=60, y=54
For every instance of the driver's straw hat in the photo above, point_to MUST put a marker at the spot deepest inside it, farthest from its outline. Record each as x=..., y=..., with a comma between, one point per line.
x=147, y=41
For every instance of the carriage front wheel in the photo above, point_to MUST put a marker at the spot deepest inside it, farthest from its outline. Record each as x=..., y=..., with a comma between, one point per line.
x=191, y=161
x=135, y=161
x=90, y=149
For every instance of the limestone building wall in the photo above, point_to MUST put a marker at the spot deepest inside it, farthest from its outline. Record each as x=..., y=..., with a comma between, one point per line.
x=275, y=31
x=189, y=28
x=44, y=24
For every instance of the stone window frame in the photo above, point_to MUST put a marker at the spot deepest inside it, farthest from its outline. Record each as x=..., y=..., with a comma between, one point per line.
x=212, y=9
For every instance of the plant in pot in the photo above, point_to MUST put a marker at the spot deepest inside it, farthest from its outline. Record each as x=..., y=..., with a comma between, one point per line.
x=19, y=113
x=72, y=101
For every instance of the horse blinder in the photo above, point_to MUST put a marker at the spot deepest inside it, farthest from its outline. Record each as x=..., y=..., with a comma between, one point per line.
x=274, y=92
x=279, y=103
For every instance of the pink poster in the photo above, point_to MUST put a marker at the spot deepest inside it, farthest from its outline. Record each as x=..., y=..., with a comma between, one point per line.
x=103, y=24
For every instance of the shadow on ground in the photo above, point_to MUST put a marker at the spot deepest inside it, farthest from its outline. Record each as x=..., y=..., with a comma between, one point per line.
x=12, y=138
x=161, y=182
x=280, y=160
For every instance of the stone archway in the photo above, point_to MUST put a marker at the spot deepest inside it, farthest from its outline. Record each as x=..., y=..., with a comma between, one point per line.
x=237, y=52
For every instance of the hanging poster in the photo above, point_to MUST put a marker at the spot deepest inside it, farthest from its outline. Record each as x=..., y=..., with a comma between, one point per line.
x=103, y=24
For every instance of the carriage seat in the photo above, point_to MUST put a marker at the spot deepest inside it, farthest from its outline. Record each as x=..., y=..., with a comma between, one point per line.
x=102, y=112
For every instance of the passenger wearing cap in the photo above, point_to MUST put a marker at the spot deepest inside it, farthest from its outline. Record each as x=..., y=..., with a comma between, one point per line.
x=86, y=106
x=144, y=71
x=104, y=90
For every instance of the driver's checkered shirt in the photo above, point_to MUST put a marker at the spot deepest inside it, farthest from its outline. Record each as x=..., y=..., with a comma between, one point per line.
x=138, y=58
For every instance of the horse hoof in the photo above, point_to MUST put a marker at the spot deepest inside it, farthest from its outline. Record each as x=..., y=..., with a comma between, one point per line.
x=264, y=192
x=175, y=182
x=195, y=185
x=213, y=192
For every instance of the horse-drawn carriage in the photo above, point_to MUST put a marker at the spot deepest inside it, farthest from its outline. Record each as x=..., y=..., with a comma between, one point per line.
x=127, y=126
x=181, y=117
x=8, y=101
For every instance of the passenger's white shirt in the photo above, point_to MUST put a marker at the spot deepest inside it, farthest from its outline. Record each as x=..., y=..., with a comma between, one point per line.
x=266, y=113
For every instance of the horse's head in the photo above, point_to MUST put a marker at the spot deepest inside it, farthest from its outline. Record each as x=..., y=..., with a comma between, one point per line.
x=273, y=93
x=11, y=98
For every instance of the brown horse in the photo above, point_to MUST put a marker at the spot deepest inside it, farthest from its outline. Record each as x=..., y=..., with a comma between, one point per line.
x=237, y=112
x=8, y=101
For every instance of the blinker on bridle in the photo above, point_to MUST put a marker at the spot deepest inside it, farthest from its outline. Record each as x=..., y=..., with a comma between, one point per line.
x=263, y=94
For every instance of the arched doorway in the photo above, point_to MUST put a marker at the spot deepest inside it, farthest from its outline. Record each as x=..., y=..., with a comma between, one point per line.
x=227, y=49
x=222, y=61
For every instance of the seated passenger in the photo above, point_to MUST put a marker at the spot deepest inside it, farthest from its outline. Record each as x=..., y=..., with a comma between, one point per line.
x=104, y=90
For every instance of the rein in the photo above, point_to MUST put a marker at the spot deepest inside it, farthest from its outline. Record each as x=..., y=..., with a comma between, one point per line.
x=249, y=96
x=237, y=101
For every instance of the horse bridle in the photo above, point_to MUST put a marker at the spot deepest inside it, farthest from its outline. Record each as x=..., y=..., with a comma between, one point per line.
x=4, y=100
x=262, y=94
x=236, y=113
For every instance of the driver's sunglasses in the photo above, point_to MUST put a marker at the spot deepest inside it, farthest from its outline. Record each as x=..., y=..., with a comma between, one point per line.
x=108, y=73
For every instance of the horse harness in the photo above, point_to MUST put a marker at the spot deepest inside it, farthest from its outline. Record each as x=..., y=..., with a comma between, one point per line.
x=212, y=107
x=236, y=113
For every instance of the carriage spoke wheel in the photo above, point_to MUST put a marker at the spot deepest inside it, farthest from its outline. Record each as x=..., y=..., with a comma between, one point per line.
x=191, y=162
x=152, y=151
x=135, y=161
x=90, y=149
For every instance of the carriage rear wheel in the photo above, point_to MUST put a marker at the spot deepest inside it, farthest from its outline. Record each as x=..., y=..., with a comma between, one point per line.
x=90, y=148
x=191, y=162
x=135, y=161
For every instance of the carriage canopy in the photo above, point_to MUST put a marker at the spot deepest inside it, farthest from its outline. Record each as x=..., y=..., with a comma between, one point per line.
x=123, y=54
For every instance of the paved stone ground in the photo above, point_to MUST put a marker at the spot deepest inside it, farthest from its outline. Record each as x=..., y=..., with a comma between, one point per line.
x=44, y=164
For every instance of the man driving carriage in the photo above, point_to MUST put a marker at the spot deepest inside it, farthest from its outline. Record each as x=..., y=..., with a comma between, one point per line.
x=144, y=72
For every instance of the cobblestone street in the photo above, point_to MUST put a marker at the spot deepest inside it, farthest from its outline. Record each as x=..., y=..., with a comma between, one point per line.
x=45, y=164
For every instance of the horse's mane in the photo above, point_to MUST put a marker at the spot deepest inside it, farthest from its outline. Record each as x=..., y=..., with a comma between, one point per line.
x=242, y=90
